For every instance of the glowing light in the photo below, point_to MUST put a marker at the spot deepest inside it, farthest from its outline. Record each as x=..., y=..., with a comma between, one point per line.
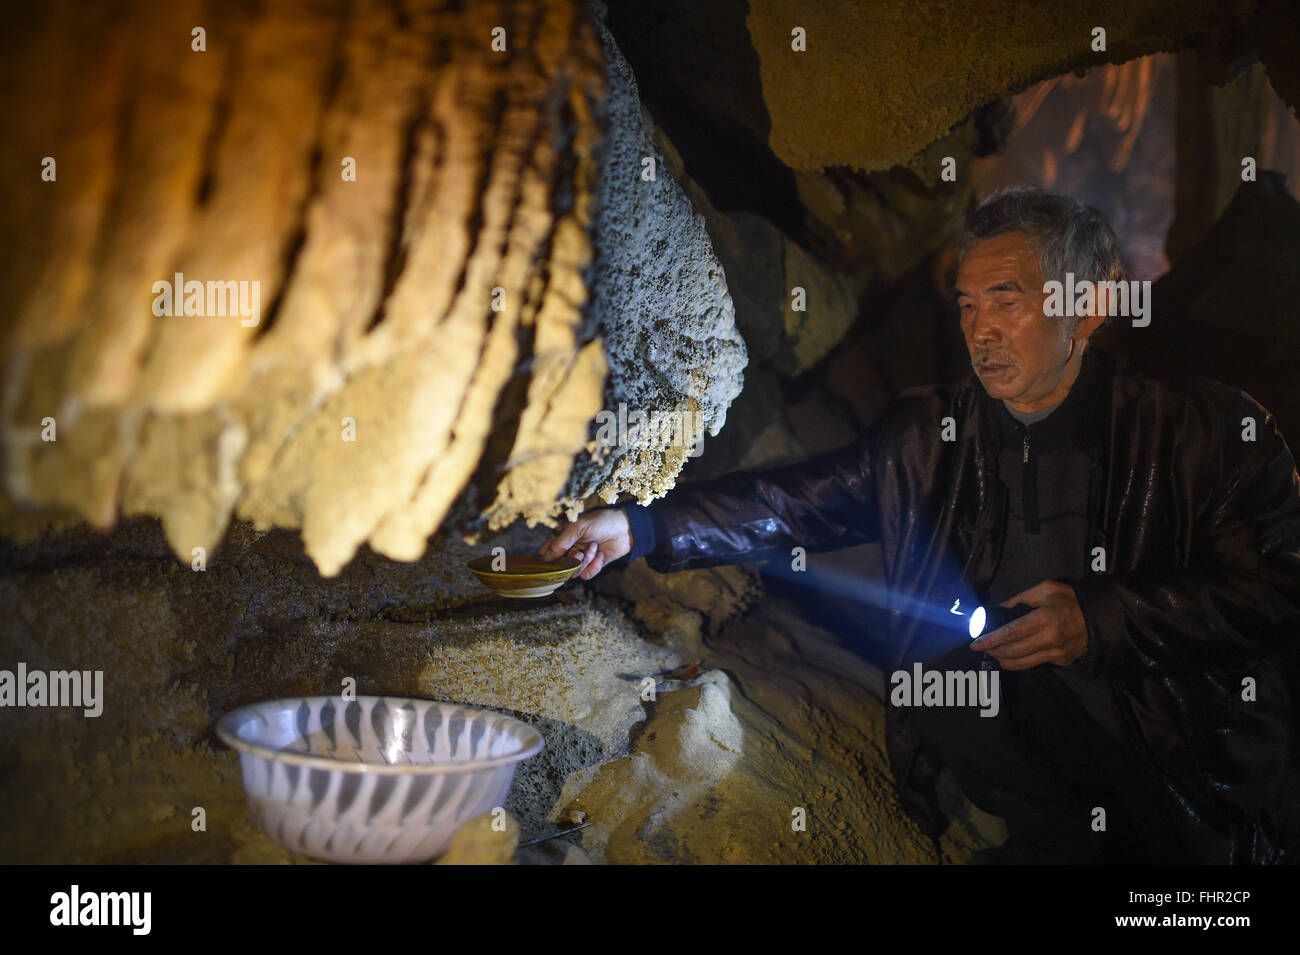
x=977, y=622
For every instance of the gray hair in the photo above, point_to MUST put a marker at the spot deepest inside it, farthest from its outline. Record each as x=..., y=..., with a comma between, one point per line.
x=1071, y=235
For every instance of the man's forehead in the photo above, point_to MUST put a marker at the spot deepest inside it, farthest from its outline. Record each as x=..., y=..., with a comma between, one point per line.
x=1003, y=257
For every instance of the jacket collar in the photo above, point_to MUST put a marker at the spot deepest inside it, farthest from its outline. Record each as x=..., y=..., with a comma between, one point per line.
x=1083, y=417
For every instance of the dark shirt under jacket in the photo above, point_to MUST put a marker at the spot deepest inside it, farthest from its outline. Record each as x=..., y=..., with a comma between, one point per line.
x=1046, y=535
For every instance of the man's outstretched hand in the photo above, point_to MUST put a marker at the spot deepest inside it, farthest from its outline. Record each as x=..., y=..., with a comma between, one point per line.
x=595, y=538
x=1054, y=632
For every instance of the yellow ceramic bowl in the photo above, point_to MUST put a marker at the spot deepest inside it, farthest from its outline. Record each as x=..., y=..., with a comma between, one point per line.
x=526, y=575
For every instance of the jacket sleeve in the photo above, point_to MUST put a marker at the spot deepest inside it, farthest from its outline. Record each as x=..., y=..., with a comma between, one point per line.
x=1238, y=597
x=823, y=503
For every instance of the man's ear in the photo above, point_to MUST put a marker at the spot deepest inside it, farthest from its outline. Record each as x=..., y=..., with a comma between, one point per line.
x=1087, y=324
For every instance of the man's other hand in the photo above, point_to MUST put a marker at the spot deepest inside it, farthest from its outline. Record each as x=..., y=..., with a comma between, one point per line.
x=1054, y=632
x=595, y=538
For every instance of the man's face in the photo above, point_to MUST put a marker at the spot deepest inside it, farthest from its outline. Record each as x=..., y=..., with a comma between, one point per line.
x=1018, y=352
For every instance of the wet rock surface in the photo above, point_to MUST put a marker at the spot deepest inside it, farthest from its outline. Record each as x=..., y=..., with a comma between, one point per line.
x=753, y=711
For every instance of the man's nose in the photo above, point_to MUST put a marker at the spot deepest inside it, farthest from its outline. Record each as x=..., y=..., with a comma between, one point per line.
x=984, y=329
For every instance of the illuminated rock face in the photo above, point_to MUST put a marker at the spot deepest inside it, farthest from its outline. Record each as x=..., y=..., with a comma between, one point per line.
x=660, y=303
x=418, y=250
x=875, y=83
x=407, y=209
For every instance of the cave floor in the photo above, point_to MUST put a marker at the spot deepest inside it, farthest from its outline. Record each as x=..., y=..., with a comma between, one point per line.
x=763, y=742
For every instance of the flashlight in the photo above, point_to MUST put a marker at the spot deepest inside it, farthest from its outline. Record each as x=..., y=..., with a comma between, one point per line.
x=984, y=621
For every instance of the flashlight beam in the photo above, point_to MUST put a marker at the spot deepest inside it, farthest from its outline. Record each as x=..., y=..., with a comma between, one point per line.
x=873, y=593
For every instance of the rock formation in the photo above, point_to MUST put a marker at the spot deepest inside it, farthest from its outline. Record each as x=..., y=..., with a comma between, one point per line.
x=401, y=200
x=469, y=237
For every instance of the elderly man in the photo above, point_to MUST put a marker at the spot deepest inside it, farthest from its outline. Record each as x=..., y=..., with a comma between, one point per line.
x=1150, y=526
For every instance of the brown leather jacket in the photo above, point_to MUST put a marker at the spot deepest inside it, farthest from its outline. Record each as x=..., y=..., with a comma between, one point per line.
x=1201, y=588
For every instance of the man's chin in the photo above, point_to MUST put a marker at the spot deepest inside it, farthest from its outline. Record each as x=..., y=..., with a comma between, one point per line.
x=999, y=384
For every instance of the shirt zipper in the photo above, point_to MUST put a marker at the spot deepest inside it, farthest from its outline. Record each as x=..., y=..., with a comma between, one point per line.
x=1029, y=485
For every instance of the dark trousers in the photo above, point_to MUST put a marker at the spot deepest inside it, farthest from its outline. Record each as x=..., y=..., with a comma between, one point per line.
x=1045, y=765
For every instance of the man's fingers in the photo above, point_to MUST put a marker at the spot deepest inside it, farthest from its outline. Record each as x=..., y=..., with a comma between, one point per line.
x=548, y=548
x=1031, y=661
x=585, y=552
x=1021, y=649
x=568, y=542
x=596, y=566
x=563, y=539
x=1018, y=629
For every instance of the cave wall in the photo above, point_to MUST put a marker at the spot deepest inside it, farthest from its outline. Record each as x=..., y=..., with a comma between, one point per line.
x=424, y=328
x=450, y=323
x=880, y=82
x=330, y=558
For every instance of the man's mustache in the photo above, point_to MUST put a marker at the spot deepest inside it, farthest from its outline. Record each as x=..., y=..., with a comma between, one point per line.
x=990, y=358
